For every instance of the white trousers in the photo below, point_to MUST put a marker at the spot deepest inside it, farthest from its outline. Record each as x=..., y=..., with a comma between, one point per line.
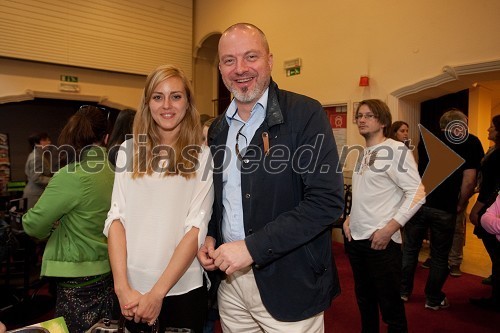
x=241, y=309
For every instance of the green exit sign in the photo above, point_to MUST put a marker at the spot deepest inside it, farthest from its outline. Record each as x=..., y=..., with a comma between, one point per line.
x=293, y=71
x=69, y=78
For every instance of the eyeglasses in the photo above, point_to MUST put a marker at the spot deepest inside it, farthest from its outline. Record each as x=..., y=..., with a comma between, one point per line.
x=84, y=108
x=88, y=108
x=366, y=116
x=236, y=146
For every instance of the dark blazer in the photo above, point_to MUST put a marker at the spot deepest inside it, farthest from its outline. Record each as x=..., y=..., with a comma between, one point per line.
x=291, y=197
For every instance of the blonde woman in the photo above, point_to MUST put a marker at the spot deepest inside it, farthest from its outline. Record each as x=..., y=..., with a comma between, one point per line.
x=161, y=204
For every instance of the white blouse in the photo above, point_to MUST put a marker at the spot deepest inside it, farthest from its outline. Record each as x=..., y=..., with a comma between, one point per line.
x=156, y=212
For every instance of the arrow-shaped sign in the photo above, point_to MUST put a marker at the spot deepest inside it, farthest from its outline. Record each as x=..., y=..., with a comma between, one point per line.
x=443, y=161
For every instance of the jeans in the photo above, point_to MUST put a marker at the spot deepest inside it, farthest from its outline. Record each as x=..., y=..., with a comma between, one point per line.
x=442, y=228
x=456, y=255
x=377, y=277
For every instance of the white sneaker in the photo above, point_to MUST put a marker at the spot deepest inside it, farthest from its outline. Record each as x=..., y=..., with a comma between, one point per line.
x=443, y=305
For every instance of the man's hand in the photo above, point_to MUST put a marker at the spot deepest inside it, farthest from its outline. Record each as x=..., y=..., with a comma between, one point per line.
x=204, y=254
x=381, y=237
x=347, y=230
x=231, y=257
x=474, y=218
x=460, y=208
x=474, y=213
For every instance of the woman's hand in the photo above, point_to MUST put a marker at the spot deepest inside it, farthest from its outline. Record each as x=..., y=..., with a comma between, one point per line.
x=474, y=213
x=148, y=307
x=126, y=297
x=205, y=252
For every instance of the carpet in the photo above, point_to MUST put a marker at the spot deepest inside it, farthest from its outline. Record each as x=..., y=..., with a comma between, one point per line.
x=343, y=315
x=461, y=316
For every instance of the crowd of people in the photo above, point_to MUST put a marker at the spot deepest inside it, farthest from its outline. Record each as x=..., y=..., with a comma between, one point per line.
x=176, y=220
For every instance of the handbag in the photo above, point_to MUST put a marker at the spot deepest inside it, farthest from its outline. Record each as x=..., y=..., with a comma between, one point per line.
x=106, y=325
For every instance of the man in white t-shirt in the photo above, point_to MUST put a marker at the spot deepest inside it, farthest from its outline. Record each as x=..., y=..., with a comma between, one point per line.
x=387, y=191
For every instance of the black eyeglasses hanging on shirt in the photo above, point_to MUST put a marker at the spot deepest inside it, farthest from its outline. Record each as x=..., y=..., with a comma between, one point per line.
x=236, y=146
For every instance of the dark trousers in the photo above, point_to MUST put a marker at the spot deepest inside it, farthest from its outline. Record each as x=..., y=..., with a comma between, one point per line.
x=489, y=240
x=377, y=277
x=442, y=228
x=495, y=272
x=492, y=246
x=181, y=311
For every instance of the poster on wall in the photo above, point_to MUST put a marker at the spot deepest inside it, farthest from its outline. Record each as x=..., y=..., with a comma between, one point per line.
x=337, y=115
x=354, y=108
x=4, y=162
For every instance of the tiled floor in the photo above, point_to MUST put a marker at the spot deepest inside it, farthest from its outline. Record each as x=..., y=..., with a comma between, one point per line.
x=476, y=260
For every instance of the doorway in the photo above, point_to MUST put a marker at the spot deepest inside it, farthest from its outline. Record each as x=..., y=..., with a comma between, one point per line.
x=432, y=110
x=212, y=96
x=19, y=120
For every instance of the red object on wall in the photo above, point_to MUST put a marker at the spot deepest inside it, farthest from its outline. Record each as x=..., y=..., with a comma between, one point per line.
x=364, y=81
x=337, y=119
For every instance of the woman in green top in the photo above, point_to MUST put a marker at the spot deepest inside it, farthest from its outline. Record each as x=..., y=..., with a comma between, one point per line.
x=78, y=198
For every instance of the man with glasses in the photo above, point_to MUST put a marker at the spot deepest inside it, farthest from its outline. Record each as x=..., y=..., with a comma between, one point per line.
x=386, y=192
x=277, y=195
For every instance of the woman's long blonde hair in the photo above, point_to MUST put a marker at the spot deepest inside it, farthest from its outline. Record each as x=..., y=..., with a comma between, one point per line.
x=182, y=157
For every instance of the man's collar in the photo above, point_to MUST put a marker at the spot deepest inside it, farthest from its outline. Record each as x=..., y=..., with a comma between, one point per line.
x=232, y=110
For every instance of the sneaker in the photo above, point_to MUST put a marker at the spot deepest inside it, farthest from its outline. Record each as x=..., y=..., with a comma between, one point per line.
x=455, y=270
x=443, y=305
x=404, y=297
x=487, y=281
x=427, y=263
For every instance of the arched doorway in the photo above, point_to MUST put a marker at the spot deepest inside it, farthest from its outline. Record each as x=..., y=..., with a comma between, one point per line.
x=211, y=95
x=478, y=86
x=21, y=119
x=482, y=80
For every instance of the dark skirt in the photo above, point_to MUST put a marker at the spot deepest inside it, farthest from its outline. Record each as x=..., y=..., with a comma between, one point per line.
x=84, y=301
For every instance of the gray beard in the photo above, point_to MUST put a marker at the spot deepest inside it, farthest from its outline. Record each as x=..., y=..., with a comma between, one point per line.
x=245, y=96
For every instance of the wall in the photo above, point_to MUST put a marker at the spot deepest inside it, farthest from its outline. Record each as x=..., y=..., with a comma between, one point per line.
x=397, y=43
x=480, y=114
x=495, y=111
x=60, y=37
x=204, y=85
x=112, y=89
x=133, y=36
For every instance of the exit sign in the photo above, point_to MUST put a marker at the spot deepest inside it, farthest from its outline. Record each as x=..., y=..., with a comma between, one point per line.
x=69, y=78
x=293, y=71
